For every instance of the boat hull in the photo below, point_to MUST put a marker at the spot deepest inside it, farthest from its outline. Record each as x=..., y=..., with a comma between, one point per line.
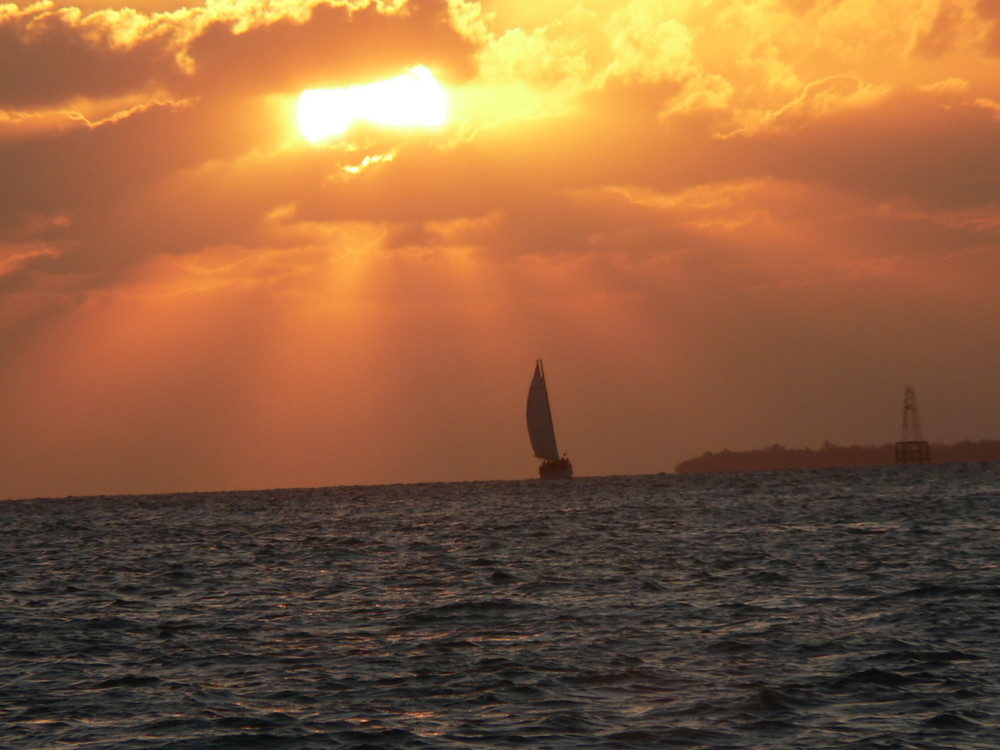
x=561, y=469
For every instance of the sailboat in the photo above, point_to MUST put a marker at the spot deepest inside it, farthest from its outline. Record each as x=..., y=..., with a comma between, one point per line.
x=541, y=432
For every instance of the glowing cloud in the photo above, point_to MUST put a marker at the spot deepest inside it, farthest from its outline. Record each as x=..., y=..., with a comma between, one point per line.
x=412, y=99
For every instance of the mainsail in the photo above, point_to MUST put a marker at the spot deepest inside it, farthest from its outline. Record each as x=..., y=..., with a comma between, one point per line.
x=543, y=436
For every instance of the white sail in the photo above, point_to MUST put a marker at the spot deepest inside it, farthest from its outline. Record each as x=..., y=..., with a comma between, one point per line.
x=540, y=430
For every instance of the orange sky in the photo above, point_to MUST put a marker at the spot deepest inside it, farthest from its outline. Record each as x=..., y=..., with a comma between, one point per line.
x=722, y=224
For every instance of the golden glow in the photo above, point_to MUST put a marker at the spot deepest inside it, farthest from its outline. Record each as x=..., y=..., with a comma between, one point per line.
x=733, y=202
x=414, y=98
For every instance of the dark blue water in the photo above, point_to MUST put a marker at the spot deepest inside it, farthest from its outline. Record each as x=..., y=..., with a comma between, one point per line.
x=825, y=609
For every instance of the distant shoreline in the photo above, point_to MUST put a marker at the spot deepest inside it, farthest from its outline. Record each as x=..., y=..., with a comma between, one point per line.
x=830, y=456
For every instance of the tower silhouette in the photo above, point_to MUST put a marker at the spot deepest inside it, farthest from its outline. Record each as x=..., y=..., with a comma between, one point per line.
x=912, y=448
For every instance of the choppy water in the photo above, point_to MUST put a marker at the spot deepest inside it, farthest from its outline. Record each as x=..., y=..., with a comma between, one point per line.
x=826, y=609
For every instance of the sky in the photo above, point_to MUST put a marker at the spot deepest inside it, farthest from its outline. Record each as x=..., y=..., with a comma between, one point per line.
x=722, y=224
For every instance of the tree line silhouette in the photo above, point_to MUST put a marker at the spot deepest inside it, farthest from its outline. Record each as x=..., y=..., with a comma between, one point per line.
x=832, y=456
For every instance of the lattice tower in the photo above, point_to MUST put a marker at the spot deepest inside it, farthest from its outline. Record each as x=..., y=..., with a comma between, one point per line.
x=911, y=420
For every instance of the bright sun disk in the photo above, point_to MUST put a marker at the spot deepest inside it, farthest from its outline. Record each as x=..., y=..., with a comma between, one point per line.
x=413, y=99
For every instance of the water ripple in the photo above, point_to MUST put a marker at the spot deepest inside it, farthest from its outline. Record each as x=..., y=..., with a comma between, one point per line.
x=836, y=609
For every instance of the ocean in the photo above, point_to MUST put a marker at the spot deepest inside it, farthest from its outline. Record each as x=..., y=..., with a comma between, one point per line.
x=838, y=608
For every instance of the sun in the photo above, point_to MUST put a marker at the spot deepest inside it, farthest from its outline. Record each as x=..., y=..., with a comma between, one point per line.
x=413, y=99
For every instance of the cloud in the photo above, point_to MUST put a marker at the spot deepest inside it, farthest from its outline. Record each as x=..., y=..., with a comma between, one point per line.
x=50, y=56
x=648, y=44
x=54, y=56
x=641, y=93
x=206, y=100
x=336, y=46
